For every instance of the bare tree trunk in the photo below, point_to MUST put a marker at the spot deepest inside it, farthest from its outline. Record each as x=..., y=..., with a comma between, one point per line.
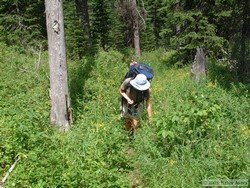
x=61, y=114
x=132, y=16
x=177, y=8
x=136, y=29
x=177, y=27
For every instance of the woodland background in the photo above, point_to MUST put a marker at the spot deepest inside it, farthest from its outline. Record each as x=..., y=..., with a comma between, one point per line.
x=220, y=27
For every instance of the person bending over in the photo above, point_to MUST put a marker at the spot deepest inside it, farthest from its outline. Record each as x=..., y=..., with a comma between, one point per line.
x=134, y=92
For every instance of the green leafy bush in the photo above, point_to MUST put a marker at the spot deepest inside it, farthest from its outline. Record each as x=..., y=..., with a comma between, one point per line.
x=199, y=131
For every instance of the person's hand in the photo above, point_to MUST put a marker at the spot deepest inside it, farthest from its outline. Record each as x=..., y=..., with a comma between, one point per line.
x=132, y=63
x=130, y=101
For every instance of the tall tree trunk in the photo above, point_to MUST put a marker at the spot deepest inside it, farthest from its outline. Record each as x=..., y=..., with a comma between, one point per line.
x=61, y=114
x=177, y=9
x=132, y=16
x=136, y=28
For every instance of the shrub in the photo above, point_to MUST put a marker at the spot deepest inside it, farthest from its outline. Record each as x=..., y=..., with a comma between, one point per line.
x=199, y=131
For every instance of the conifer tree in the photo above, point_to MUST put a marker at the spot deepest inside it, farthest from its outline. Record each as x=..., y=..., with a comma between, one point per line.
x=100, y=23
x=22, y=22
x=77, y=41
x=150, y=31
x=133, y=15
x=194, y=29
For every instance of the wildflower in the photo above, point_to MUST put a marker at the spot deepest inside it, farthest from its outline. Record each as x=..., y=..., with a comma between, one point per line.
x=211, y=85
x=99, y=125
x=245, y=132
x=172, y=162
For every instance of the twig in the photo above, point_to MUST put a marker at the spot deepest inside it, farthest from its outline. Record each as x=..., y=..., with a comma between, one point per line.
x=8, y=173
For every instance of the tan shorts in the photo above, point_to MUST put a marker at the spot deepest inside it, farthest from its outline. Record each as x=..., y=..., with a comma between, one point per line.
x=132, y=111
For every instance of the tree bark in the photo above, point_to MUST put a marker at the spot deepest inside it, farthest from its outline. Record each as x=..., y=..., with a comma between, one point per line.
x=177, y=26
x=136, y=29
x=137, y=39
x=132, y=16
x=61, y=115
x=177, y=9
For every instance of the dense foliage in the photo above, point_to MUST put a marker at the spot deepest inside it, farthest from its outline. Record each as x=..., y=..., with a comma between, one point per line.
x=220, y=27
x=200, y=131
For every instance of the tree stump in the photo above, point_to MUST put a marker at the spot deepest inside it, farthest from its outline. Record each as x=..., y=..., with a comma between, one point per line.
x=199, y=67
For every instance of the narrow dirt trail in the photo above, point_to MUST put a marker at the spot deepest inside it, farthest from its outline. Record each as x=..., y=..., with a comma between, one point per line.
x=134, y=176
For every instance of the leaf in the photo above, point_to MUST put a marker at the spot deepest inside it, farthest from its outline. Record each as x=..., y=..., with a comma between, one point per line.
x=166, y=134
x=175, y=119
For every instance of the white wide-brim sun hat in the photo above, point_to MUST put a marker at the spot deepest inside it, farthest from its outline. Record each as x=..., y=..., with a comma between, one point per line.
x=140, y=82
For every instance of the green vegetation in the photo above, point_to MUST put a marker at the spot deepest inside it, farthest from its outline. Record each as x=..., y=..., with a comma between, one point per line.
x=220, y=27
x=200, y=131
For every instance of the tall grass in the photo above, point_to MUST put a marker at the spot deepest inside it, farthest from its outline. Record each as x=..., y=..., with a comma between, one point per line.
x=200, y=131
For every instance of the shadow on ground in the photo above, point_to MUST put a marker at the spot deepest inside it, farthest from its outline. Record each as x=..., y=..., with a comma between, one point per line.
x=78, y=77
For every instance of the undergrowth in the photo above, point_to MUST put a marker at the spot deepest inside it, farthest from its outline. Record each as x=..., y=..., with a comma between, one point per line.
x=200, y=130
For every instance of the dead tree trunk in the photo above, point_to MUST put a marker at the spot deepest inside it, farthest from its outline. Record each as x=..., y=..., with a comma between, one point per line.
x=136, y=28
x=177, y=8
x=177, y=27
x=59, y=93
x=133, y=16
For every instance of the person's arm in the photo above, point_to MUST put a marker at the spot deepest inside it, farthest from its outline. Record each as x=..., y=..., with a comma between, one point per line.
x=149, y=110
x=123, y=88
x=123, y=93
